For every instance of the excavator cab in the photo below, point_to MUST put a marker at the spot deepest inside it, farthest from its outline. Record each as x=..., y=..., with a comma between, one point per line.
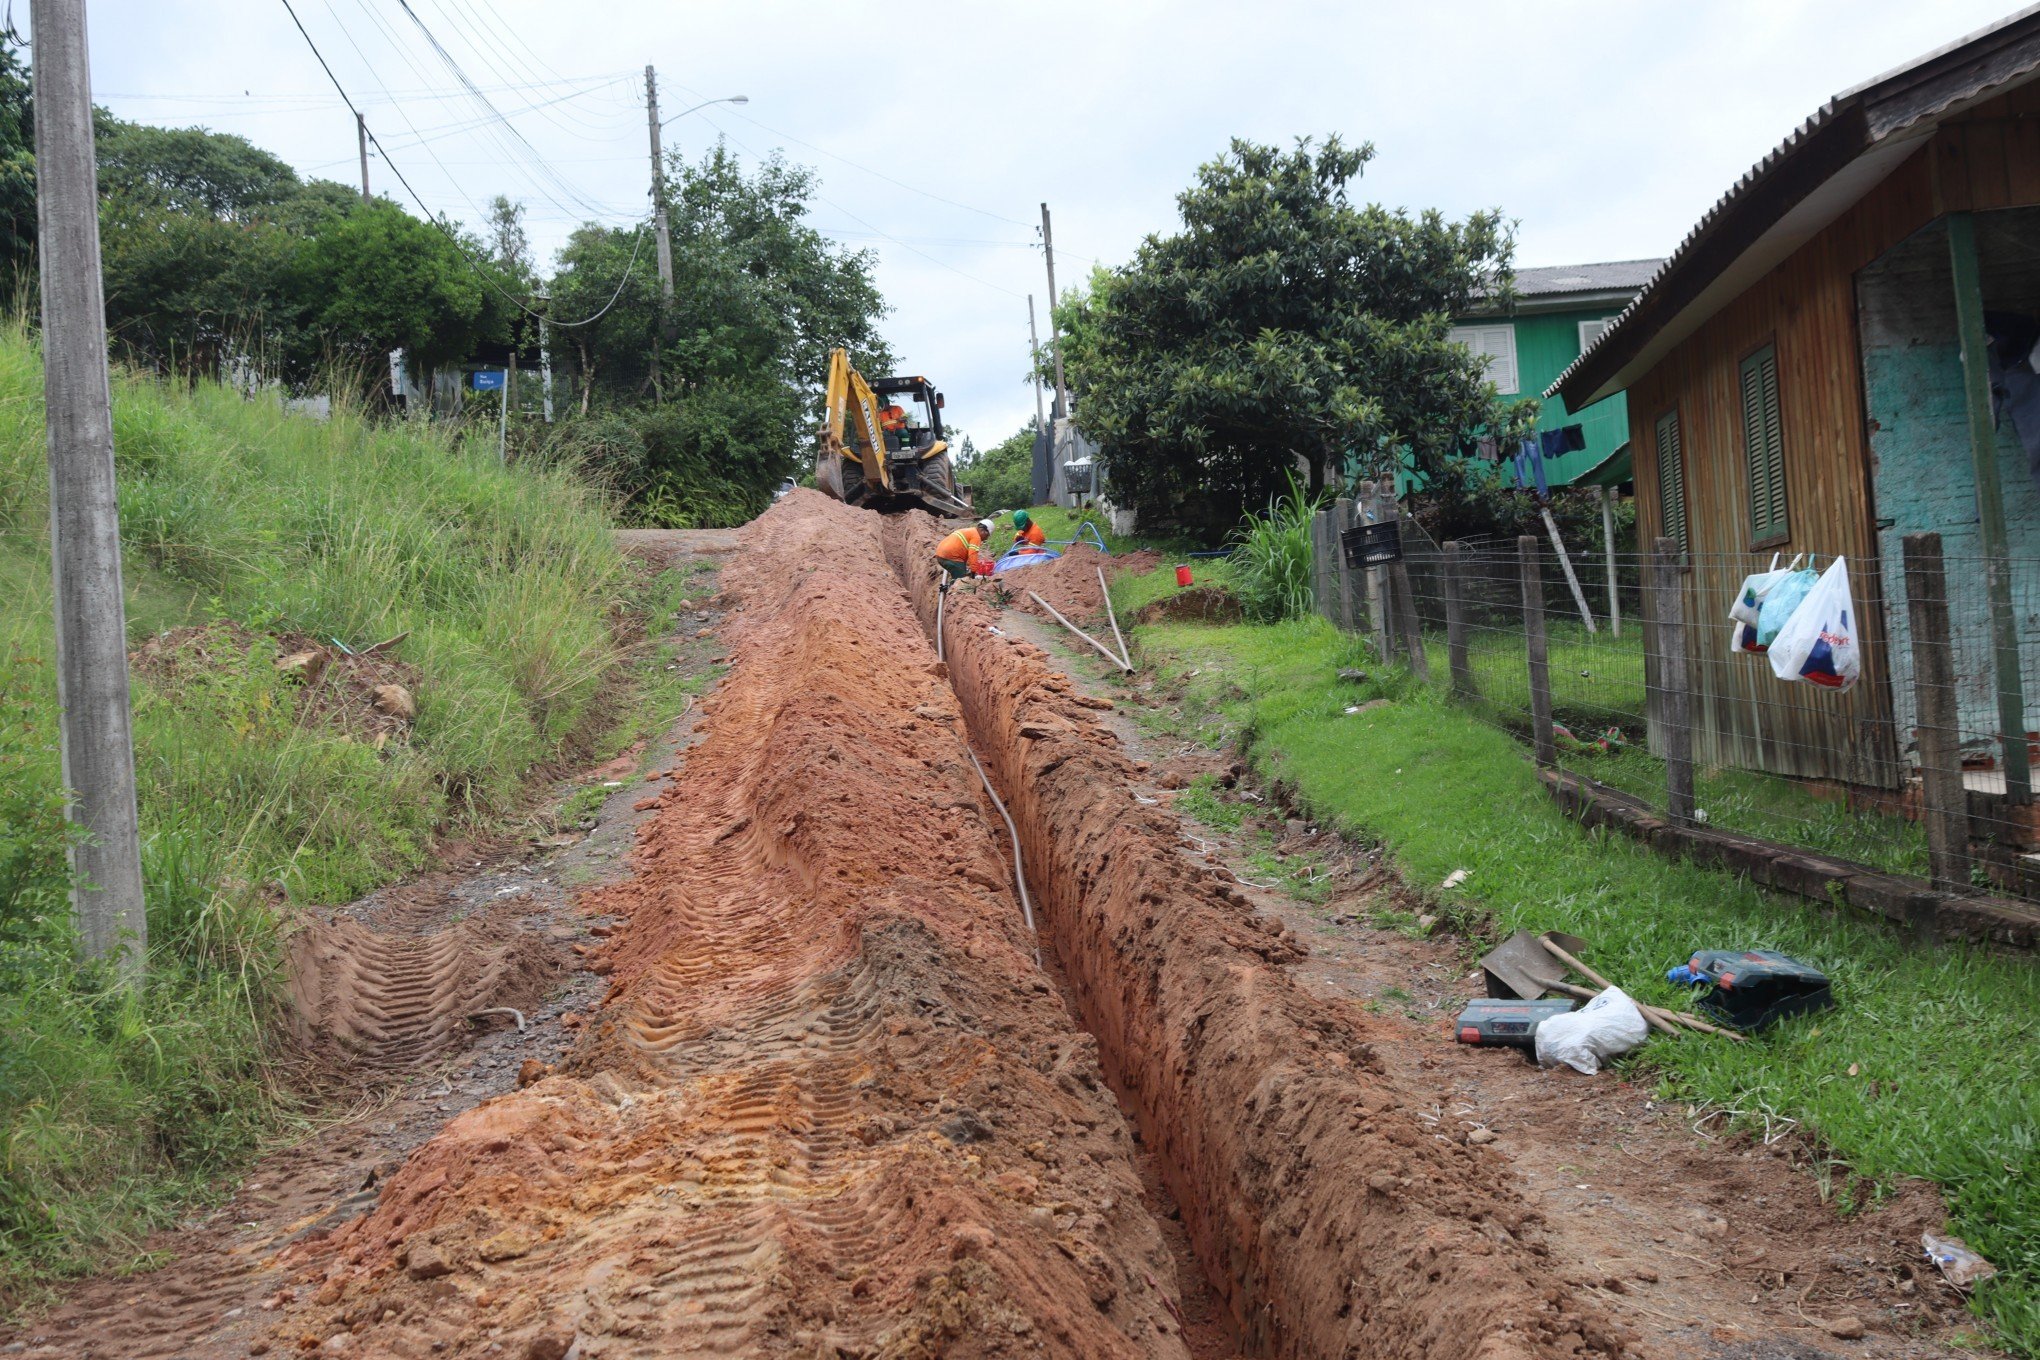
x=882, y=444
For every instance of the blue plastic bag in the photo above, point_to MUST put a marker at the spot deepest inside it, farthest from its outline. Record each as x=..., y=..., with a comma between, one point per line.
x=1781, y=602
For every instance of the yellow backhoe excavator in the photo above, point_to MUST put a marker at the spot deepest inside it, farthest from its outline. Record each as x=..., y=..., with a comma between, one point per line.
x=881, y=444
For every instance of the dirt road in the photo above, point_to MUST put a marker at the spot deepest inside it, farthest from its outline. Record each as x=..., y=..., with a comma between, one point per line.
x=818, y=1090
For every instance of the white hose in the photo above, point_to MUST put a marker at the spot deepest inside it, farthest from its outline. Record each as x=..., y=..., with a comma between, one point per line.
x=1019, y=874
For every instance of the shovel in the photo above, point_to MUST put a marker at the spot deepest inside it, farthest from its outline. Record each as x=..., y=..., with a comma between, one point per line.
x=1521, y=967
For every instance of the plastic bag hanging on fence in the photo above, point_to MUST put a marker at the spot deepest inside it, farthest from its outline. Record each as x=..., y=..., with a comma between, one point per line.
x=1743, y=615
x=1818, y=643
x=1781, y=602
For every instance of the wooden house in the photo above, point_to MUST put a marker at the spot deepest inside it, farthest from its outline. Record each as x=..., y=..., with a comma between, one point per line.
x=1796, y=383
x=1556, y=312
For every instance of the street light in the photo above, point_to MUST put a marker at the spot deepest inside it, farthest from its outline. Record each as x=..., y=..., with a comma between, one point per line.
x=726, y=99
x=659, y=224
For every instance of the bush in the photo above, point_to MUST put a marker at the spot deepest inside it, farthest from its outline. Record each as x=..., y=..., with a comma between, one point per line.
x=709, y=458
x=1271, y=563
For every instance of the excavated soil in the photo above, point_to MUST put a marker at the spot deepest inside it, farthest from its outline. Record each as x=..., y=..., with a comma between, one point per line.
x=1331, y=1217
x=1198, y=604
x=829, y=1105
x=1070, y=583
x=336, y=691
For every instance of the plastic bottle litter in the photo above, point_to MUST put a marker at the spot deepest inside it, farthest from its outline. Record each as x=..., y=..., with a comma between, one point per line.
x=1959, y=1265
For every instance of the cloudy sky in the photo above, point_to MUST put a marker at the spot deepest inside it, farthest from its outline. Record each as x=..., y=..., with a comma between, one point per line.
x=1605, y=127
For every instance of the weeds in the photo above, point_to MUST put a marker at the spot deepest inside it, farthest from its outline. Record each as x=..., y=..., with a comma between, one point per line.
x=1271, y=566
x=116, y=1108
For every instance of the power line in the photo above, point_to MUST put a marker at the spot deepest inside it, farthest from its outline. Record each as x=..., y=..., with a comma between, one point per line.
x=460, y=247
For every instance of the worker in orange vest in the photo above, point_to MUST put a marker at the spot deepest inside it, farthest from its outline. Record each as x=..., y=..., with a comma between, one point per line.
x=956, y=553
x=1026, y=533
x=893, y=420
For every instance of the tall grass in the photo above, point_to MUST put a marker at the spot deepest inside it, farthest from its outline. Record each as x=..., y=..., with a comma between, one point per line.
x=113, y=1108
x=1271, y=564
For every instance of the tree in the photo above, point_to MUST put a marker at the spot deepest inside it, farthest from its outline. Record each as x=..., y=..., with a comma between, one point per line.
x=379, y=279
x=508, y=243
x=190, y=170
x=1284, y=325
x=17, y=169
x=1001, y=477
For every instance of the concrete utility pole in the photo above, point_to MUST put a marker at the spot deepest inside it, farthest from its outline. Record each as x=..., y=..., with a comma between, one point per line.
x=545, y=353
x=659, y=223
x=1062, y=391
x=361, y=137
x=92, y=669
x=1034, y=379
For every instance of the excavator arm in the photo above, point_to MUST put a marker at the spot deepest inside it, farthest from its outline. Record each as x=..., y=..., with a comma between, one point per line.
x=852, y=411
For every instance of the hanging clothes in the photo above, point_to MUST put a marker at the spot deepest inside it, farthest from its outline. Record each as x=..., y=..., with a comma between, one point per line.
x=2014, y=386
x=1529, y=466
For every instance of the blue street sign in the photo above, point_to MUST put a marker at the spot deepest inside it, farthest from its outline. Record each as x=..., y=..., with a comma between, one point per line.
x=489, y=379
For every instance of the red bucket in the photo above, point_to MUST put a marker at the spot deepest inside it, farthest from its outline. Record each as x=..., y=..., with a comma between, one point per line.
x=1182, y=576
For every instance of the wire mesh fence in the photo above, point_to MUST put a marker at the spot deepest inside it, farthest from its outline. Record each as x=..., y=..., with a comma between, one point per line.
x=1628, y=669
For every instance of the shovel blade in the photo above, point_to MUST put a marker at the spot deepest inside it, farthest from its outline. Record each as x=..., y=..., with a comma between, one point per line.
x=1521, y=967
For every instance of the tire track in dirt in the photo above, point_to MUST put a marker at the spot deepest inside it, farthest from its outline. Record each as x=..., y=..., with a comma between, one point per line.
x=395, y=997
x=829, y=1106
x=1331, y=1219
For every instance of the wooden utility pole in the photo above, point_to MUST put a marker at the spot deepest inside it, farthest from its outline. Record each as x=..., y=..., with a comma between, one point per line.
x=92, y=670
x=1062, y=391
x=660, y=226
x=361, y=139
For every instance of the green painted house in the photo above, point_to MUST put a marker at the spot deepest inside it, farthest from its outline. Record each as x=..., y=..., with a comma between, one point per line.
x=1557, y=312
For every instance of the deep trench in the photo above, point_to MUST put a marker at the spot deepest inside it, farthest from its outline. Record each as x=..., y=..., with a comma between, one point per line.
x=1325, y=1217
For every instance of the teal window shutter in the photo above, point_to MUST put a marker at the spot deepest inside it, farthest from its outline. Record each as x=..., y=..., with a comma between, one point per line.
x=1764, y=446
x=1671, y=479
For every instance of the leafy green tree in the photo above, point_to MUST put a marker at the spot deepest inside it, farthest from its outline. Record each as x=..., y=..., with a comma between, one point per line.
x=1284, y=326
x=379, y=278
x=1001, y=477
x=507, y=241
x=17, y=168
x=190, y=170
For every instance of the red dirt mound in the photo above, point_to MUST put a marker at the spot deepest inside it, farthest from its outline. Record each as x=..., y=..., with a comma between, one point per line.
x=1070, y=583
x=830, y=1105
x=1331, y=1217
x=1199, y=604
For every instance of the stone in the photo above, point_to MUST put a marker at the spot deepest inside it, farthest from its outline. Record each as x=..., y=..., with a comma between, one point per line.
x=549, y=1345
x=305, y=667
x=1844, y=1328
x=425, y=1261
x=1479, y=1136
x=396, y=701
x=531, y=1070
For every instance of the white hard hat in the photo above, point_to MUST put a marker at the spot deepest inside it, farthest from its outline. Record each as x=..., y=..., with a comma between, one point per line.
x=984, y=526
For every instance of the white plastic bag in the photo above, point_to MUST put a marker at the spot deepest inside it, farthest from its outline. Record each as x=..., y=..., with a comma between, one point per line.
x=1608, y=1025
x=1818, y=643
x=1744, y=615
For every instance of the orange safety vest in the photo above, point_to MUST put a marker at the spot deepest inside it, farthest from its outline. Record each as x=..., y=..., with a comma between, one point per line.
x=893, y=419
x=960, y=546
x=1030, y=535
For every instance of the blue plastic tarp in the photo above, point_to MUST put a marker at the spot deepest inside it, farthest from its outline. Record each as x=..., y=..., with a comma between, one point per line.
x=1015, y=558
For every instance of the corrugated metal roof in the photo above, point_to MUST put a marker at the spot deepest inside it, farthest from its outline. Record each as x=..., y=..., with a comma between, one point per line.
x=1622, y=332
x=1584, y=278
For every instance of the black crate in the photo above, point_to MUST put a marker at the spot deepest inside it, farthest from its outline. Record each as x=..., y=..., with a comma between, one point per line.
x=1372, y=545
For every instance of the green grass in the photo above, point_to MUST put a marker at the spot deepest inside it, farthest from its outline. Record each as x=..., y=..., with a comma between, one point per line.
x=115, y=1110
x=1945, y=1042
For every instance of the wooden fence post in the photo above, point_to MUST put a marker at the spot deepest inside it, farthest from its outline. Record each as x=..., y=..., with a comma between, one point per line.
x=1405, y=598
x=1377, y=585
x=1342, y=516
x=1321, y=576
x=1669, y=619
x=1455, y=621
x=1944, y=800
x=1532, y=573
